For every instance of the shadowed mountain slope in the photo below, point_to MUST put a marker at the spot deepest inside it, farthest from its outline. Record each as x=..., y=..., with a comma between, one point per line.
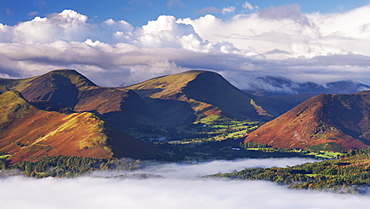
x=27, y=134
x=333, y=122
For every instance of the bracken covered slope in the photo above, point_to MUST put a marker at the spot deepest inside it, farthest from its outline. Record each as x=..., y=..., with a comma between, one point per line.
x=331, y=122
x=27, y=134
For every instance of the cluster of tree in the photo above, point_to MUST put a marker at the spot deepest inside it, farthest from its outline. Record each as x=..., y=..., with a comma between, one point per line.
x=70, y=166
x=349, y=173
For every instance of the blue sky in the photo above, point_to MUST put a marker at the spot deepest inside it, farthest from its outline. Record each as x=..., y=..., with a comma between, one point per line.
x=139, y=12
x=118, y=43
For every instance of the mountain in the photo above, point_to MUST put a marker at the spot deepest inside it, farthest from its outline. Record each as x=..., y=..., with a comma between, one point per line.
x=27, y=134
x=204, y=92
x=324, y=122
x=277, y=86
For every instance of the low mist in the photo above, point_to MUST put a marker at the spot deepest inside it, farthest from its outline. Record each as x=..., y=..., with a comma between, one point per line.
x=174, y=191
x=195, y=169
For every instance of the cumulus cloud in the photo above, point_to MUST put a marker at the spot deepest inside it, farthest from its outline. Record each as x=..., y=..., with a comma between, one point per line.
x=163, y=193
x=312, y=47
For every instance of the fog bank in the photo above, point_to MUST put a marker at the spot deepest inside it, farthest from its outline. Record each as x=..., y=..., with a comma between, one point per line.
x=175, y=191
x=194, y=170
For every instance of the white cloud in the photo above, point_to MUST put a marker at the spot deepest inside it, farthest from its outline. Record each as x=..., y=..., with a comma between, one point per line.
x=171, y=192
x=248, y=6
x=311, y=46
x=226, y=10
x=34, y=13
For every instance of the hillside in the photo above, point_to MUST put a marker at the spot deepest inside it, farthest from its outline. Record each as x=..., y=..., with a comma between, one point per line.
x=27, y=134
x=324, y=122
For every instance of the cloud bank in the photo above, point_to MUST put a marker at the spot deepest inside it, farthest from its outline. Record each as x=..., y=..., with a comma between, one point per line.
x=274, y=41
x=93, y=192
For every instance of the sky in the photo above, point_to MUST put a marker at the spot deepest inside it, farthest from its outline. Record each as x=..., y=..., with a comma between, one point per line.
x=180, y=188
x=118, y=43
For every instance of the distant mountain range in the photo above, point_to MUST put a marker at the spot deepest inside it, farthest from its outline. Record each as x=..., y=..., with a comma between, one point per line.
x=277, y=86
x=64, y=113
